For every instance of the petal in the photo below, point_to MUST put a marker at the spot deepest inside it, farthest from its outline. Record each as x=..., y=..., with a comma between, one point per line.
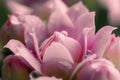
x=85, y=30
x=60, y=23
x=81, y=65
x=77, y=10
x=33, y=24
x=12, y=29
x=101, y=40
x=58, y=68
x=99, y=69
x=57, y=51
x=86, y=20
x=13, y=68
x=113, y=52
x=20, y=50
x=18, y=8
x=71, y=44
x=35, y=33
x=45, y=78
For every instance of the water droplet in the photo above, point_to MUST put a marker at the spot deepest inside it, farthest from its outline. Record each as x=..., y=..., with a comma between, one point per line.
x=64, y=33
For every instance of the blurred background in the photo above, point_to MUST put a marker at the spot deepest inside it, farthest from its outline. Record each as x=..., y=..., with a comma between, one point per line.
x=101, y=18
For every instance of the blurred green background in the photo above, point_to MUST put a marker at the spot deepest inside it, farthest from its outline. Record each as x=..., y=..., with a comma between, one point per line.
x=4, y=12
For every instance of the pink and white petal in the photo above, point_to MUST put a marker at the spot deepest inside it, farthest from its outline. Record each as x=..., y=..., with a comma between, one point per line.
x=20, y=50
x=101, y=39
x=45, y=78
x=58, y=68
x=57, y=51
x=71, y=44
x=81, y=65
x=84, y=41
x=77, y=10
x=60, y=21
x=35, y=32
x=18, y=8
x=113, y=52
x=86, y=20
x=33, y=24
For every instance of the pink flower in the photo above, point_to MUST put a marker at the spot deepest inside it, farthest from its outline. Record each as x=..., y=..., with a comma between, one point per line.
x=55, y=48
x=16, y=24
x=113, y=51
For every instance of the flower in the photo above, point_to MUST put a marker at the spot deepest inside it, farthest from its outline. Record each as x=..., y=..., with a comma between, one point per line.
x=96, y=69
x=16, y=24
x=55, y=48
x=112, y=51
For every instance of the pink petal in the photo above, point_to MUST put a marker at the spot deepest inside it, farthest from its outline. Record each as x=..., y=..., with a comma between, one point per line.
x=85, y=30
x=57, y=51
x=58, y=68
x=81, y=65
x=71, y=44
x=77, y=10
x=18, y=8
x=35, y=32
x=60, y=23
x=86, y=20
x=20, y=50
x=33, y=24
x=12, y=29
x=45, y=78
x=99, y=69
x=101, y=40
x=113, y=52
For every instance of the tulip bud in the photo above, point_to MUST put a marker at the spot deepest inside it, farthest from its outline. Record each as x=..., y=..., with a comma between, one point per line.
x=98, y=69
x=14, y=69
x=12, y=29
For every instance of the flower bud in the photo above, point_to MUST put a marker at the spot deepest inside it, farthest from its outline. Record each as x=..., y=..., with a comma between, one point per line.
x=14, y=69
x=12, y=29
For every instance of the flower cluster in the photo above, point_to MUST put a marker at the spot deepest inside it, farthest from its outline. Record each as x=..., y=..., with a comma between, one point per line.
x=63, y=47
